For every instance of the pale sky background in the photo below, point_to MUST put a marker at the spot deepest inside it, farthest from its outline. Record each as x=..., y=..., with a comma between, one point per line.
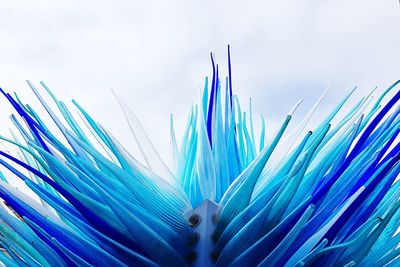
x=155, y=54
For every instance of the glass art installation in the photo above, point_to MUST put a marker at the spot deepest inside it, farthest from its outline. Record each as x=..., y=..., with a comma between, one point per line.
x=231, y=197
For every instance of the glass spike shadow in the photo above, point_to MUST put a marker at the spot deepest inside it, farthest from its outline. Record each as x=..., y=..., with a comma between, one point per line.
x=325, y=197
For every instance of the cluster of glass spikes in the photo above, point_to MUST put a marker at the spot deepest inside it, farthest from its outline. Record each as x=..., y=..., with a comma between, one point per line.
x=326, y=196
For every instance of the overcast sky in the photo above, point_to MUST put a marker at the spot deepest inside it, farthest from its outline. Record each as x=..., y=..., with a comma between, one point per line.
x=155, y=54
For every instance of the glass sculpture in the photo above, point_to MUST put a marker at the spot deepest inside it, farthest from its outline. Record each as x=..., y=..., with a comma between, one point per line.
x=329, y=197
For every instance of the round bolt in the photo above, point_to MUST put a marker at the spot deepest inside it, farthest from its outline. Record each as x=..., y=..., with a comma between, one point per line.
x=214, y=238
x=193, y=240
x=214, y=256
x=214, y=218
x=194, y=220
x=190, y=257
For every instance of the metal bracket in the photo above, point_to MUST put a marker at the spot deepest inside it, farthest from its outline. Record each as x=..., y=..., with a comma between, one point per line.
x=202, y=220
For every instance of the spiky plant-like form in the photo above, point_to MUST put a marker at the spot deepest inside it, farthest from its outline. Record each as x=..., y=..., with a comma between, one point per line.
x=329, y=198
